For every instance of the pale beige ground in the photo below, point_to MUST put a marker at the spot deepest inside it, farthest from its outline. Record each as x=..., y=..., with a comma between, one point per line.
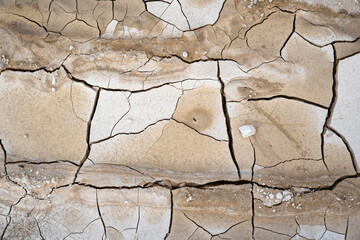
x=120, y=119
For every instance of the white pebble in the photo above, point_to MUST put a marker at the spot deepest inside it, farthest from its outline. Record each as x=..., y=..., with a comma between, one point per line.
x=287, y=198
x=185, y=54
x=53, y=89
x=71, y=47
x=53, y=81
x=247, y=130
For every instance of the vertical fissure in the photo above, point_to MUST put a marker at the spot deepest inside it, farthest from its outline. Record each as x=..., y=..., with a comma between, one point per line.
x=227, y=120
x=171, y=214
x=87, y=153
x=99, y=212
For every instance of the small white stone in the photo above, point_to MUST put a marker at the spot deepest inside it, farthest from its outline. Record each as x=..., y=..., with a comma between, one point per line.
x=129, y=120
x=110, y=29
x=279, y=196
x=71, y=47
x=53, y=89
x=247, y=130
x=53, y=81
x=185, y=54
x=26, y=136
x=287, y=198
x=189, y=199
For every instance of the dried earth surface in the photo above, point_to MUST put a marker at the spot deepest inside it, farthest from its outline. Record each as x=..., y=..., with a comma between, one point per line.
x=120, y=119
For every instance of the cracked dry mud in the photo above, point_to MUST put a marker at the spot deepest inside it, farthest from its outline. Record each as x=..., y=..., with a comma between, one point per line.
x=120, y=119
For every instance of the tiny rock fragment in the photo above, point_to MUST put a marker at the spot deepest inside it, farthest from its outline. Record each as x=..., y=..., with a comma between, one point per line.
x=247, y=130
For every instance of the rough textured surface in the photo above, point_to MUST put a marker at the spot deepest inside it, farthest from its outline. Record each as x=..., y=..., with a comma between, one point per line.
x=123, y=119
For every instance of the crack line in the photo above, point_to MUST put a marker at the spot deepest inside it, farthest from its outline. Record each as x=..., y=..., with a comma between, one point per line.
x=227, y=120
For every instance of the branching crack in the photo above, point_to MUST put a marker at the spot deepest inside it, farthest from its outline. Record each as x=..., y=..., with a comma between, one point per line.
x=87, y=153
x=287, y=40
x=330, y=113
x=203, y=134
x=197, y=224
x=8, y=217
